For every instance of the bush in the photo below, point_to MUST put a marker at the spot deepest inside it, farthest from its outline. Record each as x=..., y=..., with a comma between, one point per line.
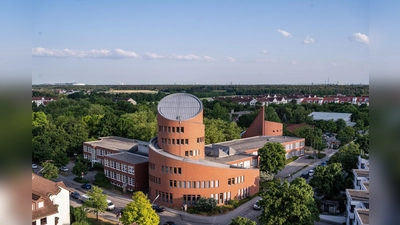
x=234, y=203
x=102, y=181
x=98, y=166
x=206, y=204
x=81, y=180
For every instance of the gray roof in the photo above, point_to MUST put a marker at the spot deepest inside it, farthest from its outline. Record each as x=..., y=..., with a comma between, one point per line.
x=364, y=215
x=180, y=106
x=361, y=173
x=359, y=195
x=244, y=144
x=114, y=143
x=129, y=157
x=229, y=158
x=330, y=116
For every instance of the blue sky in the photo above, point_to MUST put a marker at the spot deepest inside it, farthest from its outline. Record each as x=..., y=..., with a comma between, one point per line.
x=205, y=42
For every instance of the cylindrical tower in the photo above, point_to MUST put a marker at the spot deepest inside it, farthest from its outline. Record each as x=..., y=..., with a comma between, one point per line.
x=180, y=125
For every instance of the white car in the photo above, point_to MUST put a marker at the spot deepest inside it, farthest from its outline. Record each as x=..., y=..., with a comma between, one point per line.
x=63, y=168
x=311, y=173
x=110, y=205
x=34, y=166
x=256, y=205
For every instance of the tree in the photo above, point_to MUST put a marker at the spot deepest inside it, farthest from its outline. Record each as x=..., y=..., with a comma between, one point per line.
x=347, y=156
x=206, y=204
x=141, y=125
x=271, y=115
x=345, y=135
x=217, y=130
x=96, y=202
x=80, y=167
x=79, y=215
x=242, y=221
x=272, y=157
x=340, y=124
x=139, y=211
x=288, y=203
x=328, y=180
x=50, y=171
x=363, y=142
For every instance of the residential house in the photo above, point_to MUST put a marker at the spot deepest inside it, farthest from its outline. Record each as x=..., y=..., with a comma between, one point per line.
x=130, y=100
x=50, y=202
x=43, y=100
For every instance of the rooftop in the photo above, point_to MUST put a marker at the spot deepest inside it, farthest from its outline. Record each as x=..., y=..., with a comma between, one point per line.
x=330, y=116
x=365, y=184
x=114, y=143
x=180, y=106
x=363, y=214
x=361, y=173
x=245, y=144
x=358, y=195
x=129, y=157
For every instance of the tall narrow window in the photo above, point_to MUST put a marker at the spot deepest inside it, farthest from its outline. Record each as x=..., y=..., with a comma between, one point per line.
x=182, y=131
x=179, y=170
x=177, y=130
x=186, y=141
x=177, y=141
x=173, y=129
x=175, y=170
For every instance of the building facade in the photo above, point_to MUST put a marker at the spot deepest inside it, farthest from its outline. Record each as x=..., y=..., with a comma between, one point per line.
x=50, y=202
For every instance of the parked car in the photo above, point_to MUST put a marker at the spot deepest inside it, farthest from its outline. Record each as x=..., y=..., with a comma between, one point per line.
x=34, y=166
x=324, y=163
x=86, y=186
x=84, y=198
x=110, y=205
x=158, y=208
x=256, y=205
x=63, y=168
x=90, y=168
x=305, y=175
x=170, y=223
x=75, y=195
x=311, y=173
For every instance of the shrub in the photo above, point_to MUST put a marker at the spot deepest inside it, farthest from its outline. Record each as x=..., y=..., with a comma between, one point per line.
x=234, y=203
x=98, y=166
x=81, y=180
x=102, y=181
x=206, y=204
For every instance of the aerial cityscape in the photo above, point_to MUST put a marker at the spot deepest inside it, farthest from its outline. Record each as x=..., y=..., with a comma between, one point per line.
x=208, y=112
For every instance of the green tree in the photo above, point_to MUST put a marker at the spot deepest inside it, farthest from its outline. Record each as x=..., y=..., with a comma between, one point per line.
x=346, y=135
x=81, y=223
x=242, y=221
x=219, y=112
x=363, y=142
x=340, y=124
x=272, y=157
x=217, y=130
x=328, y=180
x=79, y=215
x=288, y=203
x=139, y=211
x=50, y=171
x=331, y=126
x=271, y=115
x=347, y=156
x=206, y=204
x=96, y=202
x=80, y=167
x=141, y=125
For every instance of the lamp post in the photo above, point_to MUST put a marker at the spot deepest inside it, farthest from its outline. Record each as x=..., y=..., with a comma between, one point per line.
x=155, y=199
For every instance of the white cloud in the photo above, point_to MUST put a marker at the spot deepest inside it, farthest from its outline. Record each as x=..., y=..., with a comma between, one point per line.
x=285, y=33
x=309, y=40
x=264, y=51
x=334, y=64
x=294, y=62
x=95, y=53
x=362, y=38
x=113, y=54
x=230, y=59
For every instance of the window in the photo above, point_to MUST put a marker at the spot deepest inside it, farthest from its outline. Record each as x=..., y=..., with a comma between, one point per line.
x=170, y=198
x=169, y=141
x=202, y=184
x=173, y=141
x=177, y=129
x=40, y=204
x=188, y=184
x=212, y=184
x=170, y=183
x=170, y=170
x=186, y=153
x=169, y=129
x=233, y=180
x=194, y=184
x=184, y=199
x=179, y=184
x=175, y=183
x=198, y=184
x=179, y=170
x=159, y=128
x=177, y=141
x=216, y=183
x=183, y=184
x=173, y=129
x=175, y=170
x=207, y=184
x=182, y=141
x=162, y=168
x=43, y=221
x=191, y=153
x=229, y=181
x=182, y=131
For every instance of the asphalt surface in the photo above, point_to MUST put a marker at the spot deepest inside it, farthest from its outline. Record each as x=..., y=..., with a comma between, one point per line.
x=295, y=168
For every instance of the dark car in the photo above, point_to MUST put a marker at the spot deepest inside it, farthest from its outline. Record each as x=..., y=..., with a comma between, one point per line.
x=86, y=186
x=90, y=168
x=324, y=163
x=158, y=208
x=170, y=223
x=305, y=175
x=75, y=194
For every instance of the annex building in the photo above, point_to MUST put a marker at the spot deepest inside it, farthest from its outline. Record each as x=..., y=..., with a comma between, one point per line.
x=179, y=167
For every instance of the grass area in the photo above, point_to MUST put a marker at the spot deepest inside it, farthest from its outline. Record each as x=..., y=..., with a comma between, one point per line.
x=294, y=158
x=101, y=221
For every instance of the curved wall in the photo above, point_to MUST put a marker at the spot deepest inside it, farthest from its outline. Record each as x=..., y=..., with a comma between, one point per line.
x=201, y=177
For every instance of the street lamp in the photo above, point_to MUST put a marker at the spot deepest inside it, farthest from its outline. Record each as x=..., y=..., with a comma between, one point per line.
x=155, y=199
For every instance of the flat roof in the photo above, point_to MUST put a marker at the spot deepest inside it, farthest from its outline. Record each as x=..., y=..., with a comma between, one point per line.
x=330, y=116
x=228, y=158
x=128, y=157
x=361, y=173
x=180, y=106
x=114, y=143
x=358, y=195
x=363, y=214
x=366, y=184
x=244, y=144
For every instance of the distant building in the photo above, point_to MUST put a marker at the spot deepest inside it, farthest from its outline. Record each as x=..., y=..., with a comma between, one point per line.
x=43, y=100
x=130, y=100
x=337, y=100
x=50, y=202
x=333, y=116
